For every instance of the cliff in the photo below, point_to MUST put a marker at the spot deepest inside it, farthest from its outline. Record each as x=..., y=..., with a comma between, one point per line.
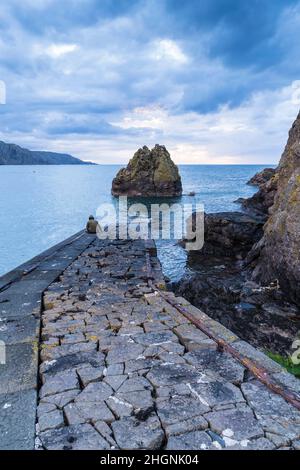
x=277, y=254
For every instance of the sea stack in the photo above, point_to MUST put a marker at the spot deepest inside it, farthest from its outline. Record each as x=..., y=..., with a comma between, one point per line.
x=150, y=173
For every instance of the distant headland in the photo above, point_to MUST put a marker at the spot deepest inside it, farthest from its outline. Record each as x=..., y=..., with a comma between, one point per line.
x=11, y=154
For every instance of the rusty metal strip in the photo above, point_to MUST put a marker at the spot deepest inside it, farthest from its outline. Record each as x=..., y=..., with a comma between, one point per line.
x=258, y=371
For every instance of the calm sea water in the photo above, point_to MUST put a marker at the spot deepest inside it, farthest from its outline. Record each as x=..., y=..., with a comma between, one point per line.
x=43, y=205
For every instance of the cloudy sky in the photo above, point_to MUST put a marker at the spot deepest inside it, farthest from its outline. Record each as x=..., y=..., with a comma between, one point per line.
x=216, y=81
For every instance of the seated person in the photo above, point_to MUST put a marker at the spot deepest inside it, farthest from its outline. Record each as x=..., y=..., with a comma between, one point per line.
x=91, y=226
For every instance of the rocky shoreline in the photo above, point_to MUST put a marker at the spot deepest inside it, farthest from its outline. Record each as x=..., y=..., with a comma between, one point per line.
x=247, y=274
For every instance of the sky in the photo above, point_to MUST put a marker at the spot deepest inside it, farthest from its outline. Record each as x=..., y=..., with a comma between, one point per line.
x=215, y=81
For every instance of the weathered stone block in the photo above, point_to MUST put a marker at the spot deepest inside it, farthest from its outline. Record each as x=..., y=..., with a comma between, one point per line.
x=135, y=384
x=80, y=437
x=96, y=391
x=172, y=374
x=61, y=399
x=133, y=434
x=217, y=364
x=83, y=412
x=257, y=356
x=119, y=406
x=193, y=338
x=193, y=424
x=235, y=425
x=179, y=409
x=217, y=393
x=196, y=440
x=52, y=420
x=90, y=374
x=124, y=353
x=60, y=382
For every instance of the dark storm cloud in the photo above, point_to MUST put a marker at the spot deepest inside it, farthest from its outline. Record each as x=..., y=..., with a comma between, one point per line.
x=242, y=30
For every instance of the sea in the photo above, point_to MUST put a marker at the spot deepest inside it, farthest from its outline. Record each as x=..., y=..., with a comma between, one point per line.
x=42, y=205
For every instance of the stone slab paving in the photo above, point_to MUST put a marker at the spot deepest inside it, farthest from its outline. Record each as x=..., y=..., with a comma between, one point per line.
x=120, y=368
x=21, y=293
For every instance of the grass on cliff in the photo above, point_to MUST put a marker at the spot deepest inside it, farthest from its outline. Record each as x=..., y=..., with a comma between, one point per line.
x=287, y=363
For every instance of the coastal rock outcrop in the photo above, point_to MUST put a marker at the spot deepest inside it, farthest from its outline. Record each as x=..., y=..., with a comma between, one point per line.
x=263, y=199
x=229, y=234
x=277, y=254
x=262, y=177
x=219, y=282
x=149, y=173
x=256, y=294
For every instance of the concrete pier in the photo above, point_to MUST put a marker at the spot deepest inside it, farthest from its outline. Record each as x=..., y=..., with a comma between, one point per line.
x=97, y=359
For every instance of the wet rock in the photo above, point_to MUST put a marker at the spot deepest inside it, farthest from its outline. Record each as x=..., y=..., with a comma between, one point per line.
x=149, y=173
